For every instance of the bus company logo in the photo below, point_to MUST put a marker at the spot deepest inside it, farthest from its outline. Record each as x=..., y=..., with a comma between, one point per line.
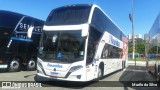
x=37, y=29
x=24, y=26
x=114, y=42
x=54, y=65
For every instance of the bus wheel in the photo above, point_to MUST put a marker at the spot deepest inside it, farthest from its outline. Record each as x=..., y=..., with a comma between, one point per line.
x=14, y=65
x=157, y=75
x=123, y=65
x=31, y=65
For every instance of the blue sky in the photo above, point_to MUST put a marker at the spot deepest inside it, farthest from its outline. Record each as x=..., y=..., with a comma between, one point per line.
x=145, y=11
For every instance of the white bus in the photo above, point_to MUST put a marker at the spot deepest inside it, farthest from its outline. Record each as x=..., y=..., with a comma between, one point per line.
x=80, y=43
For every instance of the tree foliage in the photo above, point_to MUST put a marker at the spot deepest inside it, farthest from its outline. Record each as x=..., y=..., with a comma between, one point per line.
x=139, y=46
x=152, y=50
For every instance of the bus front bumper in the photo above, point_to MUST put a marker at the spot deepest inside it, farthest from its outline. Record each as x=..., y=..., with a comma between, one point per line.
x=76, y=78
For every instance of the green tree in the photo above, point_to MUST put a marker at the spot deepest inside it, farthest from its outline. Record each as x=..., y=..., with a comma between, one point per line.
x=139, y=46
x=153, y=50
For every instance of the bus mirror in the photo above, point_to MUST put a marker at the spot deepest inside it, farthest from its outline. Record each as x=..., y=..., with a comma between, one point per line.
x=54, y=38
x=29, y=34
x=85, y=30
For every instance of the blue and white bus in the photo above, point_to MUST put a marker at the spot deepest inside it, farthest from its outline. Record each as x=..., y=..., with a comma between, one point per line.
x=19, y=39
x=80, y=43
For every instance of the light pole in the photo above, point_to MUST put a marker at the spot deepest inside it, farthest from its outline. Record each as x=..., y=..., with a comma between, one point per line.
x=133, y=38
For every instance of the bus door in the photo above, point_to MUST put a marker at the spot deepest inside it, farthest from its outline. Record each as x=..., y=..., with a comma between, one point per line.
x=4, y=40
x=92, y=65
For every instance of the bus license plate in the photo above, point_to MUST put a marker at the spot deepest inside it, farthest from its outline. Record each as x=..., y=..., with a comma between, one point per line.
x=54, y=74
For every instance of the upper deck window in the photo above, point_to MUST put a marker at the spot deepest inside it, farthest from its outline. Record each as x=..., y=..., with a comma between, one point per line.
x=68, y=15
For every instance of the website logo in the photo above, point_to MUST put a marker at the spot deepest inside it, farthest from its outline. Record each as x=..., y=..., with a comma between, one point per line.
x=18, y=85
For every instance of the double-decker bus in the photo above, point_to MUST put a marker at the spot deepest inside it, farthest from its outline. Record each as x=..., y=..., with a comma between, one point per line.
x=153, y=44
x=19, y=39
x=80, y=43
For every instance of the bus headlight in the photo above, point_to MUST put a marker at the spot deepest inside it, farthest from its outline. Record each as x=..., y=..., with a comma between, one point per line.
x=75, y=68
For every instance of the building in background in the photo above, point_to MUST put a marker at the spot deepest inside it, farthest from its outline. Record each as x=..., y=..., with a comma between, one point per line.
x=135, y=36
x=146, y=37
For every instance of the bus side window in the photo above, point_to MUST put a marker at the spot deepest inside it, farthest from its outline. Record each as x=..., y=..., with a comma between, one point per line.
x=90, y=52
x=94, y=37
x=111, y=52
x=105, y=52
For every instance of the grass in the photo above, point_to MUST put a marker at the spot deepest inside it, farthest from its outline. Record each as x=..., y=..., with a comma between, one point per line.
x=137, y=59
x=143, y=60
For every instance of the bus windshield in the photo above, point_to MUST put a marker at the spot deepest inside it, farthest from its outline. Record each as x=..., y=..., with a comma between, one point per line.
x=68, y=15
x=62, y=46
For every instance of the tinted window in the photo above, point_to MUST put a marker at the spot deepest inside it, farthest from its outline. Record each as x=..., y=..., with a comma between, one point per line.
x=103, y=23
x=25, y=24
x=68, y=15
x=94, y=37
x=155, y=27
x=110, y=51
x=38, y=25
x=62, y=46
x=154, y=33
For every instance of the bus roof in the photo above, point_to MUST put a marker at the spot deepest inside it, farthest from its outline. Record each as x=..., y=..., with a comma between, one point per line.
x=61, y=19
x=12, y=17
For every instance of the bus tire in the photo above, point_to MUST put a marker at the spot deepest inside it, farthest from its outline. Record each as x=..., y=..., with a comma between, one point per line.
x=14, y=65
x=31, y=65
x=37, y=78
x=157, y=77
x=157, y=73
x=123, y=65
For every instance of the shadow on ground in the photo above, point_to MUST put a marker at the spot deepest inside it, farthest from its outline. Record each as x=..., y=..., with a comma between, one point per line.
x=138, y=78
